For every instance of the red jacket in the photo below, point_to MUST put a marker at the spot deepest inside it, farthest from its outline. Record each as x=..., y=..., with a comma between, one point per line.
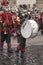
x=6, y=18
x=40, y=18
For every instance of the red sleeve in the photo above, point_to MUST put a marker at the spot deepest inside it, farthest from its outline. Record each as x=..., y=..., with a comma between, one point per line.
x=5, y=2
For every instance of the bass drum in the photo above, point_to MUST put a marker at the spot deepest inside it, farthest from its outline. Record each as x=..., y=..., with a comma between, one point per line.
x=26, y=29
x=34, y=26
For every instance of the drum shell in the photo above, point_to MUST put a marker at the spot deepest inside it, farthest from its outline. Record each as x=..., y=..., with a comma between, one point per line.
x=34, y=26
x=26, y=29
x=30, y=30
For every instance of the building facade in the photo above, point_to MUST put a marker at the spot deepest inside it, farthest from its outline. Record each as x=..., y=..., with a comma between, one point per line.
x=31, y=2
x=39, y=3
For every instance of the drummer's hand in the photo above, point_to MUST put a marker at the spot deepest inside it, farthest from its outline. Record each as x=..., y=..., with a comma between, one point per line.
x=18, y=23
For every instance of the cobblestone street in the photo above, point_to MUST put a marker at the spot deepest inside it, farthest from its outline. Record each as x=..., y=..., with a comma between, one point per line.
x=32, y=56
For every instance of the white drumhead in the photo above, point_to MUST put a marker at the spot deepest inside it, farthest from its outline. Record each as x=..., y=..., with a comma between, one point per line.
x=26, y=29
x=34, y=26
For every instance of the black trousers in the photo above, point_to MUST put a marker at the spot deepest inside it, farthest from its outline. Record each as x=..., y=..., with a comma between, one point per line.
x=41, y=26
x=22, y=41
x=5, y=37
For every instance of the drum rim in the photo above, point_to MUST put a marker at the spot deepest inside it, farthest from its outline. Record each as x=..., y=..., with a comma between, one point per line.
x=30, y=32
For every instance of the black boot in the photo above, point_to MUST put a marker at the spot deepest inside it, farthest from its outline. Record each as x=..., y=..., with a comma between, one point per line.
x=22, y=54
x=10, y=50
x=41, y=32
x=17, y=52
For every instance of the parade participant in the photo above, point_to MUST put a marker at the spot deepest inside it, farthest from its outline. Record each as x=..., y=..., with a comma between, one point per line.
x=14, y=16
x=40, y=21
x=6, y=28
x=21, y=40
x=4, y=2
x=1, y=25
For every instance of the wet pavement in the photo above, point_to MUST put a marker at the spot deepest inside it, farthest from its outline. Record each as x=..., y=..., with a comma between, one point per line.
x=32, y=56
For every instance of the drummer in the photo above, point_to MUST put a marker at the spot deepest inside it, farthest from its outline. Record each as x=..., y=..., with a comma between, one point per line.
x=21, y=40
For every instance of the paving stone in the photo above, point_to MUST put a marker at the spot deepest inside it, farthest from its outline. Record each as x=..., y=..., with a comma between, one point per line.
x=32, y=56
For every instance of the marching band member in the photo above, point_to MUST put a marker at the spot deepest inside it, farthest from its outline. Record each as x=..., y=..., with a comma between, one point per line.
x=14, y=16
x=21, y=40
x=7, y=22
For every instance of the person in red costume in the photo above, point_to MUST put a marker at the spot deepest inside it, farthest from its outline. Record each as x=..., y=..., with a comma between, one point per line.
x=40, y=21
x=6, y=28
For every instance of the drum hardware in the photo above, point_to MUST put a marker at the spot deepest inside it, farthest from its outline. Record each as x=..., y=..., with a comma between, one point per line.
x=24, y=25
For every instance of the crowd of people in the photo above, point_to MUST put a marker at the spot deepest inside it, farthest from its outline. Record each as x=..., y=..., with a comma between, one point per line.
x=10, y=24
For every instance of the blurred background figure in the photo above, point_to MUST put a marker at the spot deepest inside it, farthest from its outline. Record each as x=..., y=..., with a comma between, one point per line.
x=4, y=2
x=36, y=11
x=40, y=21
